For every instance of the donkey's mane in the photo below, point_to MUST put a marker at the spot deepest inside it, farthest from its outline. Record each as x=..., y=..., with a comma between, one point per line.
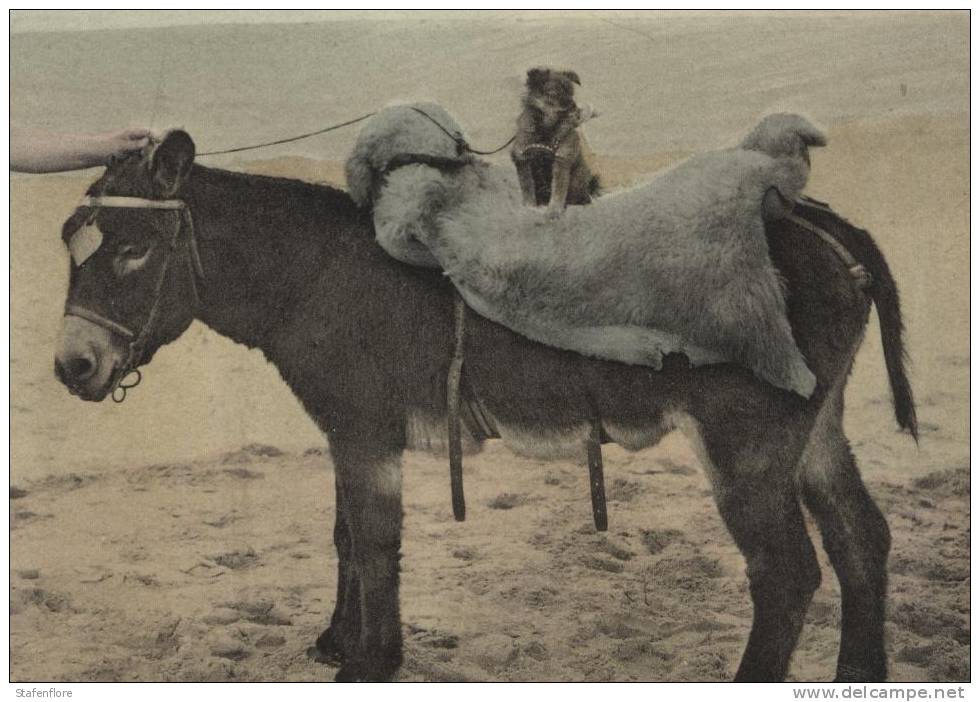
x=270, y=195
x=277, y=184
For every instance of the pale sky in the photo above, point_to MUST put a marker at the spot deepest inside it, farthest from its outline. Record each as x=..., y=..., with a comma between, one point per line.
x=74, y=20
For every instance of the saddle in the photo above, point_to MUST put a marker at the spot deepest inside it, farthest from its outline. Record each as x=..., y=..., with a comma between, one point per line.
x=431, y=211
x=465, y=409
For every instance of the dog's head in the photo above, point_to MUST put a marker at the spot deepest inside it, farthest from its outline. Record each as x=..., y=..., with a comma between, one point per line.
x=551, y=93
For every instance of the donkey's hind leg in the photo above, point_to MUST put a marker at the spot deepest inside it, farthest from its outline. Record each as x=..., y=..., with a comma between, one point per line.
x=758, y=501
x=856, y=537
x=340, y=638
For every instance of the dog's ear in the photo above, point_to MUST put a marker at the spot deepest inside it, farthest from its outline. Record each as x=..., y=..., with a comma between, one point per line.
x=572, y=76
x=536, y=77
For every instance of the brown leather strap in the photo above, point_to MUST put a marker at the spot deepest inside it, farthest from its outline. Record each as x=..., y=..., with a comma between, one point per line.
x=597, y=481
x=854, y=267
x=99, y=320
x=452, y=409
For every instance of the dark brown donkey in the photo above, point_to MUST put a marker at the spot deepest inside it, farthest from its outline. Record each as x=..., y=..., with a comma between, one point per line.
x=365, y=342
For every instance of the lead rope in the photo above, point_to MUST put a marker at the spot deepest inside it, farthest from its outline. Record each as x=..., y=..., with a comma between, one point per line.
x=461, y=143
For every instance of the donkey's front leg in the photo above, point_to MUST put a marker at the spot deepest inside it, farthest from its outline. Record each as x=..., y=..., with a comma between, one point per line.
x=339, y=640
x=370, y=486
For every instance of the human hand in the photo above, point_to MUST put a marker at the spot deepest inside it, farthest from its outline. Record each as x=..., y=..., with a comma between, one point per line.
x=118, y=144
x=38, y=151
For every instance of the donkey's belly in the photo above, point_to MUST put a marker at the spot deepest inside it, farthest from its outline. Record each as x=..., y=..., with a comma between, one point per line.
x=561, y=439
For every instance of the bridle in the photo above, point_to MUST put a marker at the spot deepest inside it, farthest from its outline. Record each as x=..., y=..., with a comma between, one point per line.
x=138, y=340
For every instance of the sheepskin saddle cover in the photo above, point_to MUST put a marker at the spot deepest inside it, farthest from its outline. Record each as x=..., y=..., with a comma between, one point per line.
x=679, y=264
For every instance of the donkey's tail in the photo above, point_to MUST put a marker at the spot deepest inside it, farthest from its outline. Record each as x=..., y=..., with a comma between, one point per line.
x=884, y=293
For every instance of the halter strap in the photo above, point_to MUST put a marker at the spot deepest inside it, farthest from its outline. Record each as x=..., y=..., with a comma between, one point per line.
x=137, y=339
x=132, y=202
x=100, y=320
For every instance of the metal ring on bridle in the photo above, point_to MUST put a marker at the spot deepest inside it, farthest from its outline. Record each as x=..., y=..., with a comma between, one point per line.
x=123, y=386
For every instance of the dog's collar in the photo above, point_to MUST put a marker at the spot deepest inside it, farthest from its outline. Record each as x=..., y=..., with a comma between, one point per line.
x=546, y=148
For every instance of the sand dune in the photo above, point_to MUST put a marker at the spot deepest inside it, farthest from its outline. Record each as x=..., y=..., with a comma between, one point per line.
x=222, y=569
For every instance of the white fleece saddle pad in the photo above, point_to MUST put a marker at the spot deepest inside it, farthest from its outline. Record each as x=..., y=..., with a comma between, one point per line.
x=679, y=264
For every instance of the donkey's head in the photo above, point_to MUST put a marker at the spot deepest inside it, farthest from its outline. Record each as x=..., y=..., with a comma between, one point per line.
x=134, y=269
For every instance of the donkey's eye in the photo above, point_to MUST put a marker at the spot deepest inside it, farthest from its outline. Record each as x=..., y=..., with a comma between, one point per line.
x=134, y=251
x=130, y=258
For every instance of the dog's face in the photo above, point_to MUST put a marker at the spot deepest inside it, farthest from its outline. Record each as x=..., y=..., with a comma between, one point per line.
x=552, y=93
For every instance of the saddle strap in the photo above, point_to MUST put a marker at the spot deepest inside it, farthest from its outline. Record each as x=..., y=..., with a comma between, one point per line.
x=861, y=275
x=441, y=163
x=597, y=481
x=453, y=382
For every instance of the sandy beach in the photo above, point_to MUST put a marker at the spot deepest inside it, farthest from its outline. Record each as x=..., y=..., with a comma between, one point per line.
x=186, y=534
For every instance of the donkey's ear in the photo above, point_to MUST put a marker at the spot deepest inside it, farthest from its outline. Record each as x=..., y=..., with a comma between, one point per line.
x=536, y=77
x=572, y=76
x=170, y=164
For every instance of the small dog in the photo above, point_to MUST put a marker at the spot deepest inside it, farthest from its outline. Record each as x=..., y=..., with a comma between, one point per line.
x=548, y=150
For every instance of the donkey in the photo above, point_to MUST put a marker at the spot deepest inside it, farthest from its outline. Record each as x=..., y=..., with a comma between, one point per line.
x=365, y=343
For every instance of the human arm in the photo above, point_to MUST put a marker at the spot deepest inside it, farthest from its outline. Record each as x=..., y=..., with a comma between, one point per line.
x=37, y=151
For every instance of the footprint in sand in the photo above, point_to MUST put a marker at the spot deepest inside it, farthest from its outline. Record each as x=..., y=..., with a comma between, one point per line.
x=46, y=600
x=237, y=560
x=600, y=563
x=270, y=640
x=656, y=540
x=432, y=638
x=624, y=490
x=465, y=554
x=257, y=611
x=247, y=453
x=224, y=520
x=614, y=548
x=231, y=649
x=508, y=500
x=243, y=473
x=25, y=516
x=92, y=575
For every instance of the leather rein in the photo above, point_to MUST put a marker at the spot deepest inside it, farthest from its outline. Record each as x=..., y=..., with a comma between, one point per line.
x=137, y=340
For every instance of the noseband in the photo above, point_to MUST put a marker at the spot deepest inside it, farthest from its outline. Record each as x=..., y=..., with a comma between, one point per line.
x=138, y=340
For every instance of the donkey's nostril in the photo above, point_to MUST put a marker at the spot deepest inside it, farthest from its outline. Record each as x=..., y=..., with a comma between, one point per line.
x=75, y=369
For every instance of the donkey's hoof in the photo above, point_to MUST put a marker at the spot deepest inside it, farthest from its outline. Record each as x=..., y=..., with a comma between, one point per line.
x=333, y=658
x=328, y=649
x=869, y=673
x=359, y=673
x=374, y=670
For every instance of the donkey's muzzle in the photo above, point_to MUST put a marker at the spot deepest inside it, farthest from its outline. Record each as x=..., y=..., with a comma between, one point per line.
x=76, y=369
x=86, y=358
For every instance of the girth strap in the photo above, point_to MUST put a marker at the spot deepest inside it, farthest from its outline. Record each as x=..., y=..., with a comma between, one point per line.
x=455, y=406
x=452, y=406
x=597, y=481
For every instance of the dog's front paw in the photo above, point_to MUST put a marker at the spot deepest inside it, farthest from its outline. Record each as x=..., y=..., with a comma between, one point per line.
x=587, y=112
x=553, y=213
